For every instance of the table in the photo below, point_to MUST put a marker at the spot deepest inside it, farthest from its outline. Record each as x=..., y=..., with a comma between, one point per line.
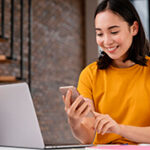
x=13, y=148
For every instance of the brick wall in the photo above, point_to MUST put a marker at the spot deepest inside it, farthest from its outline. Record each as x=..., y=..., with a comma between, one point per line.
x=57, y=59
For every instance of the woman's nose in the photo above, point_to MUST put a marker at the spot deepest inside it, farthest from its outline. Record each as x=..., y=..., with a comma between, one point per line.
x=108, y=40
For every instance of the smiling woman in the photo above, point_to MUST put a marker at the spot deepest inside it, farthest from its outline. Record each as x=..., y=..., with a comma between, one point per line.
x=117, y=86
x=125, y=16
x=114, y=36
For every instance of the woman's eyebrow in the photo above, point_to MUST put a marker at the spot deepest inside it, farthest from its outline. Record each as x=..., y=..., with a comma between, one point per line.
x=115, y=26
x=99, y=29
x=111, y=27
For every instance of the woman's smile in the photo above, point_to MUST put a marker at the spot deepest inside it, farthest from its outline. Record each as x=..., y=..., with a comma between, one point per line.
x=112, y=49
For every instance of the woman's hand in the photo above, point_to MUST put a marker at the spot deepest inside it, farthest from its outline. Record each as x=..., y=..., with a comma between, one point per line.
x=105, y=124
x=76, y=111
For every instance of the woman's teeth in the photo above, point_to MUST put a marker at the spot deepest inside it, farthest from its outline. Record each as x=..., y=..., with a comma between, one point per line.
x=111, y=49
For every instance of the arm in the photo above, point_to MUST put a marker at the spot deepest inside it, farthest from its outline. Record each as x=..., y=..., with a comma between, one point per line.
x=105, y=124
x=81, y=125
x=83, y=132
x=137, y=134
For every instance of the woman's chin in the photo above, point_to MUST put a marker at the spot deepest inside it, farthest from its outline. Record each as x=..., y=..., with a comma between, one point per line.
x=113, y=57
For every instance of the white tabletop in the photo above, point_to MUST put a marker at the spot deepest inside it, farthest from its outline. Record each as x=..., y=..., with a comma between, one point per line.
x=13, y=148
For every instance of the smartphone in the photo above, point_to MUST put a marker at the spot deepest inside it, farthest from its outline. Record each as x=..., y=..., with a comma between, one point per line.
x=64, y=90
x=75, y=94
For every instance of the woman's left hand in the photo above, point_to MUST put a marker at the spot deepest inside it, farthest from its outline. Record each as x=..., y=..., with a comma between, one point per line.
x=105, y=124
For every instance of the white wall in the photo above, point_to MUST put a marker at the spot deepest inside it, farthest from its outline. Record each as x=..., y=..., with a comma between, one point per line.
x=142, y=8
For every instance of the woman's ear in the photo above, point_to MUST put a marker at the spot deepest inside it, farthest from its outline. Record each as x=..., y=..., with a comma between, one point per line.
x=135, y=28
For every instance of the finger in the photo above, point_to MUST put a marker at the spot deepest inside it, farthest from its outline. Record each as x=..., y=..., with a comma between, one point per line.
x=73, y=108
x=82, y=108
x=68, y=99
x=106, y=128
x=76, y=104
x=63, y=97
x=100, y=126
x=96, y=114
x=90, y=103
x=86, y=112
x=98, y=119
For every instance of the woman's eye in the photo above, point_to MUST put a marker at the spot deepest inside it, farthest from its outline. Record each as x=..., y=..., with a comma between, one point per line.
x=99, y=34
x=114, y=32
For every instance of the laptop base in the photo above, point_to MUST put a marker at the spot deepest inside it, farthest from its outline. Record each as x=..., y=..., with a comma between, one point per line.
x=67, y=146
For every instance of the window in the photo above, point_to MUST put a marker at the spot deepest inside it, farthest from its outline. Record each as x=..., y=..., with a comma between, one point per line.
x=142, y=6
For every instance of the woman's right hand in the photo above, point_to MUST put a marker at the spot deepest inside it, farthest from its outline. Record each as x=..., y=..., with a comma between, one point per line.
x=76, y=111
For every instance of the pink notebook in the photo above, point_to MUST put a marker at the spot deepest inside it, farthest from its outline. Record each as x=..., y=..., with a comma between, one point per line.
x=120, y=147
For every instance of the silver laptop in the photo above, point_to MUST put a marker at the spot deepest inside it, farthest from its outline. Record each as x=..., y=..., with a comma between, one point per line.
x=19, y=125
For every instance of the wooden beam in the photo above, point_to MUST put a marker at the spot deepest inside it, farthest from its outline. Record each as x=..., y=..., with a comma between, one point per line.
x=4, y=59
x=2, y=39
x=8, y=79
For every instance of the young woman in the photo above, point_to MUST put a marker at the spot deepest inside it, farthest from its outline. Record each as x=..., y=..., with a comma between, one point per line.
x=117, y=86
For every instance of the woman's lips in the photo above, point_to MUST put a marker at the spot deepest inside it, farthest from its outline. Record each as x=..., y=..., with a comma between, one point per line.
x=112, y=49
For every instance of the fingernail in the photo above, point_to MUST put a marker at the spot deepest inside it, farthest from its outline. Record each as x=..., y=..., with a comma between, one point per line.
x=81, y=97
x=68, y=91
x=89, y=104
x=93, y=128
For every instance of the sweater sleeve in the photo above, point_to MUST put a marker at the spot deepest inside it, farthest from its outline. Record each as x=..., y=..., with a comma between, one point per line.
x=85, y=83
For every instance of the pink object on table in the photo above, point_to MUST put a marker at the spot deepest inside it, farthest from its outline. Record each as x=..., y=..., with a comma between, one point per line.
x=120, y=147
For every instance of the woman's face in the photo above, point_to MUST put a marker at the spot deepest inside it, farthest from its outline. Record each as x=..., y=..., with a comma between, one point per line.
x=113, y=34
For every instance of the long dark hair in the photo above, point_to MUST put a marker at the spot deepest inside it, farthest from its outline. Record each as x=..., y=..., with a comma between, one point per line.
x=140, y=45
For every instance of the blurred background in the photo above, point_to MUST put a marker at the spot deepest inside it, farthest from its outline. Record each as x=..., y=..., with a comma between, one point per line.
x=47, y=43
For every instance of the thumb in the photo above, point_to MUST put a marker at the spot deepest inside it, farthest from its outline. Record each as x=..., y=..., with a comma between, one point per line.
x=63, y=97
x=96, y=113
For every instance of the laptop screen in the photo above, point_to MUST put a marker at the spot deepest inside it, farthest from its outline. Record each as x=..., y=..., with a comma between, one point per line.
x=19, y=126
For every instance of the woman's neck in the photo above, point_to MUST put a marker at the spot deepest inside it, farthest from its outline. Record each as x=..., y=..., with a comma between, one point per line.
x=121, y=64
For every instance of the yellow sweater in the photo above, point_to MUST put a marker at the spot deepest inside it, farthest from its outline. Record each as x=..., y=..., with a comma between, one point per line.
x=123, y=93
